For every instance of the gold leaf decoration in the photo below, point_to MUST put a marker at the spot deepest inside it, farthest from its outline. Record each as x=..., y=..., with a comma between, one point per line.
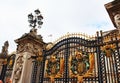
x=108, y=49
x=79, y=55
x=54, y=67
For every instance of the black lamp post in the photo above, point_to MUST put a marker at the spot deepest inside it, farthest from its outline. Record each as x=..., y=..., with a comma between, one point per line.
x=35, y=20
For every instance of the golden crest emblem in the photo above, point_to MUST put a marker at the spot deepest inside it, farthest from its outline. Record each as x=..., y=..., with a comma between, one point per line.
x=81, y=65
x=54, y=67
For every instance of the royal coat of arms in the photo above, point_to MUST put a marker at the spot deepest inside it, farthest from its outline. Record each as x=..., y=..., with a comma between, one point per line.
x=54, y=67
x=81, y=65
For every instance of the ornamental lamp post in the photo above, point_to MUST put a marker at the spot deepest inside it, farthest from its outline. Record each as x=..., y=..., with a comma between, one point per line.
x=35, y=20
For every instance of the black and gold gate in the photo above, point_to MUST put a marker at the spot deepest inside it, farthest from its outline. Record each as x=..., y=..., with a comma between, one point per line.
x=71, y=60
x=76, y=59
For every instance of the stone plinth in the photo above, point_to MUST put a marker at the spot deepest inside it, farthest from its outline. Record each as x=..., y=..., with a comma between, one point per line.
x=29, y=45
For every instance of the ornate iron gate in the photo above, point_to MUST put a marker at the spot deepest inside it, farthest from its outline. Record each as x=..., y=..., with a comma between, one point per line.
x=71, y=55
x=75, y=59
x=109, y=58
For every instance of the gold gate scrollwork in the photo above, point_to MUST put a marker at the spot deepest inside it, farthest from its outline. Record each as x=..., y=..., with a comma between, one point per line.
x=108, y=49
x=54, y=67
x=81, y=65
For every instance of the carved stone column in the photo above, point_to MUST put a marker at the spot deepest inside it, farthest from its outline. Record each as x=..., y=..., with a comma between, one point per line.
x=113, y=9
x=29, y=45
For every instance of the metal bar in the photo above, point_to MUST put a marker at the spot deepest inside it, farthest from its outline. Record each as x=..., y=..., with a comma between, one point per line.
x=34, y=73
x=108, y=68
x=100, y=79
x=113, y=68
x=117, y=68
x=43, y=67
x=3, y=72
x=66, y=62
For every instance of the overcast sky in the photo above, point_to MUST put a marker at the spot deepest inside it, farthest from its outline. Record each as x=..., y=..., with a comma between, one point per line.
x=60, y=17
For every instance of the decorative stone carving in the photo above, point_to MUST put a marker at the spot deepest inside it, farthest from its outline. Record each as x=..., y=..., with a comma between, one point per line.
x=5, y=49
x=117, y=20
x=18, y=69
x=24, y=48
x=20, y=48
x=49, y=46
x=33, y=31
x=32, y=48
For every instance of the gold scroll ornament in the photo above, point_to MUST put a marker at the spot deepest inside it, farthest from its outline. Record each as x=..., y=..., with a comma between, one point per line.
x=108, y=49
x=89, y=73
x=59, y=74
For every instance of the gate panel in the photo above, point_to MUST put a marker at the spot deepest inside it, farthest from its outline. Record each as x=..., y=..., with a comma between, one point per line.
x=109, y=67
x=55, y=64
x=66, y=52
x=75, y=59
x=88, y=53
x=110, y=59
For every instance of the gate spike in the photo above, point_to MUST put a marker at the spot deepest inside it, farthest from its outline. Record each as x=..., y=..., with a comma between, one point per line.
x=79, y=35
x=84, y=35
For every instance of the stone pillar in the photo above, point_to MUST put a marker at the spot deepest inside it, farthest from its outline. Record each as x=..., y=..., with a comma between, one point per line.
x=29, y=45
x=22, y=69
x=113, y=9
